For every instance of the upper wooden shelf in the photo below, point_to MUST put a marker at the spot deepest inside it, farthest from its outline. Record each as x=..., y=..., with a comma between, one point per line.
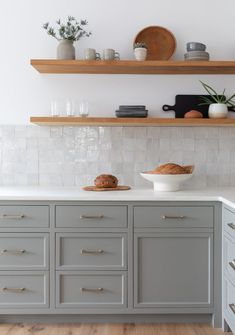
x=133, y=67
x=129, y=122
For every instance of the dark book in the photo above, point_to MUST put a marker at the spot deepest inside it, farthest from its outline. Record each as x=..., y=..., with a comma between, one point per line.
x=131, y=113
x=135, y=107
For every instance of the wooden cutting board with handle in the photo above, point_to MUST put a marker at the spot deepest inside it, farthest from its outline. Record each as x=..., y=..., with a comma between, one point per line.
x=186, y=102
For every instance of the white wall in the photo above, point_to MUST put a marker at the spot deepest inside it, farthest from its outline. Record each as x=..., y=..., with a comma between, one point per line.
x=114, y=24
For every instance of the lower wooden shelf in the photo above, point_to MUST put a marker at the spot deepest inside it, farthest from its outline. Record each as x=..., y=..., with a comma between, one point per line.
x=130, y=122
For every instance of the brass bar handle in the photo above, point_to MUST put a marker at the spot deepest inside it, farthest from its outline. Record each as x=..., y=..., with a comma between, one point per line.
x=232, y=264
x=232, y=307
x=12, y=252
x=86, y=289
x=231, y=225
x=99, y=216
x=91, y=252
x=13, y=290
x=11, y=217
x=165, y=217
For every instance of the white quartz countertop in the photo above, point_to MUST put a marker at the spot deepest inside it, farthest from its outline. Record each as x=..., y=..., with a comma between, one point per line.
x=225, y=195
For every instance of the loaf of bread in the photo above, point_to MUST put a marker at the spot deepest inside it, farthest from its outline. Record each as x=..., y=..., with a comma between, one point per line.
x=193, y=114
x=106, y=181
x=171, y=168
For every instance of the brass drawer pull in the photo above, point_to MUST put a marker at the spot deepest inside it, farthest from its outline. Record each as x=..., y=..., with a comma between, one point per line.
x=98, y=289
x=232, y=307
x=165, y=217
x=12, y=290
x=91, y=252
x=231, y=225
x=12, y=252
x=11, y=217
x=92, y=216
x=232, y=264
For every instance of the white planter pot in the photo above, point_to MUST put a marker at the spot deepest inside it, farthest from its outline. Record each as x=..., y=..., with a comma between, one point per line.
x=140, y=53
x=218, y=111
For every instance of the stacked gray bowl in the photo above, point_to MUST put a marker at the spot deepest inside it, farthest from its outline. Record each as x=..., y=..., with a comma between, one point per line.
x=196, y=51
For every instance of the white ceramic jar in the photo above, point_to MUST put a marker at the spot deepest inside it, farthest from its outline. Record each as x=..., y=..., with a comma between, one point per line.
x=140, y=53
x=218, y=111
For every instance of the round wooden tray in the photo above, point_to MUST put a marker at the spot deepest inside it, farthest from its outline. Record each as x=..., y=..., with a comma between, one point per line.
x=160, y=42
x=97, y=189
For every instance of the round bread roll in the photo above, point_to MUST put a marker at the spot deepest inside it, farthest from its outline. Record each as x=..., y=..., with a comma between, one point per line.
x=106, y=181
x=170, y=168
x=193, y=114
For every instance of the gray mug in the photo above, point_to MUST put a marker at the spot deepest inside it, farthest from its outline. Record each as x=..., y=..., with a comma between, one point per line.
x=110, y=54
x=91, y=54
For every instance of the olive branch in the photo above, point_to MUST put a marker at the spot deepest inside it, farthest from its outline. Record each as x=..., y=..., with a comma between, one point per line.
x=72, y=30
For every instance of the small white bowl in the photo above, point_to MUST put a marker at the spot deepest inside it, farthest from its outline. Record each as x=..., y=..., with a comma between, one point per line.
x=167, y=182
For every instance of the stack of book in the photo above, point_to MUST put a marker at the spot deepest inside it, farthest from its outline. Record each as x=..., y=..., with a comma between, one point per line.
x=132, y=111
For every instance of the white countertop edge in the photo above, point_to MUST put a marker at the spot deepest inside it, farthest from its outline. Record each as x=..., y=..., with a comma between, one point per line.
x=225, y=195
x=227, y=202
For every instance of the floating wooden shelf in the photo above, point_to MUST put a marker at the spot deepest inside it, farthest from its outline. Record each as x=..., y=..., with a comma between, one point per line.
x=133, y=67
x=129, y=122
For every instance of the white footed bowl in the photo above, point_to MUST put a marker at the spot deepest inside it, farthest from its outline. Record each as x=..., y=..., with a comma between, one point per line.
x=167, y=182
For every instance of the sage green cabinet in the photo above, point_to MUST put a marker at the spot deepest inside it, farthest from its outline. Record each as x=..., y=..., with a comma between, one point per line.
x=174, y=216
x=24, y=251
x=92, y=251
x=229, y=303
x=229, y=268
x=173, y=269
x=24, y=216
x=24, y=289
x=91, y=216
x=129, y=258
x=91, y=289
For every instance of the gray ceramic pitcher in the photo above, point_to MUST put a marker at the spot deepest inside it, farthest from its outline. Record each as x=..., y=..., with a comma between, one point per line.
x=65, y=50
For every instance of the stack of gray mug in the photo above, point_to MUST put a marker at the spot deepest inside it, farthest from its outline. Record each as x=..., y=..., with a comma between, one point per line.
x=196, y=51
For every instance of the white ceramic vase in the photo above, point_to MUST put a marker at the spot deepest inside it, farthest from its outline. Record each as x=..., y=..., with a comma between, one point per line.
x=140, y=53
x=65, y=50
x=218, y=111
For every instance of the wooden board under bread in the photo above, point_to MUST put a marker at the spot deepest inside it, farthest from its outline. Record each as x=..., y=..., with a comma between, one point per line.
x=98, y=189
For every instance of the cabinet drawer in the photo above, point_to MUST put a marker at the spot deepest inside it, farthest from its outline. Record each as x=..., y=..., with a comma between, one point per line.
x=91, y=216
x=173, y=216
x=229, y=222
x=229, y=257
x=25, y=290
x=229, y=303
x=22, y=251
x=24, y=216
x=91, y=251
x=91, y=290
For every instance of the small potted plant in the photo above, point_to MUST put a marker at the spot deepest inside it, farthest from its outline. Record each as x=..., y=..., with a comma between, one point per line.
x=140, y=51
x=218, y=104
x=67, y=33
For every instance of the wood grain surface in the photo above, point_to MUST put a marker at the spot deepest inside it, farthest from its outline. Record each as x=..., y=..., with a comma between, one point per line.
x=108, y=329
x=133, y=66
x=160, y=42
x=128, y=122
x=106, y=189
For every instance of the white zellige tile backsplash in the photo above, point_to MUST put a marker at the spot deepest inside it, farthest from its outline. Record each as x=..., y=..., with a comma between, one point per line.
x=74, y=156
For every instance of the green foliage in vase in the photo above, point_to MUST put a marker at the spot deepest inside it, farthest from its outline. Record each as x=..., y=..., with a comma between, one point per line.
x=216, y=98
x=140, y=45
x=72, y=30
